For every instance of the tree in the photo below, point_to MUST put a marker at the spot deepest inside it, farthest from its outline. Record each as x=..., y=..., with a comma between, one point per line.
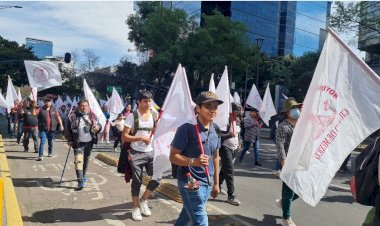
x=12, y=58
x=89, y=60
x=353, y=16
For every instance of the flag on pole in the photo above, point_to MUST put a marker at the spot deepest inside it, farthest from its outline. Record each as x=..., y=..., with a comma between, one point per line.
x=42, y=73
x=116, y=104
x=212, y=84
x=237, y=98
x=102, y=102
x=68, y=100
x=176, y=110
x=11, y=95
x=338, y=113
x=19, y=94
x=33, y=94
x=267, y=109
x=3, y=103
x=59, y=102
x=93, y=104
x=223, y=93
x=254, y=100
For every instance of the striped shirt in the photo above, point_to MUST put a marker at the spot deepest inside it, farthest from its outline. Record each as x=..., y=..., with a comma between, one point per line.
x=283, y=136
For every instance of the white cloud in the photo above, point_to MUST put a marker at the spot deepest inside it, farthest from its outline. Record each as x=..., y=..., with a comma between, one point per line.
x=72, y=25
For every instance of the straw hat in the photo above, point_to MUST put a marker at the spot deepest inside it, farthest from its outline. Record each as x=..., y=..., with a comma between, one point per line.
x=289, y=104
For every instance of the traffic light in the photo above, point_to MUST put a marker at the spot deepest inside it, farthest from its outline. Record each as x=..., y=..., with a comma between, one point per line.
x=67, y=58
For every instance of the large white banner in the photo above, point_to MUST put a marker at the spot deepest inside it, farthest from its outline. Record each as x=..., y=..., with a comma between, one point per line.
x=267, y=109
x=237, y=98
x=33, y=93
x=94, y=105
x=11, y=95
x=176, y=110
x=116, y=105
x=42, y=73
x=341, y=109
x=2, y=101
x=254, y=100
x=223, y=92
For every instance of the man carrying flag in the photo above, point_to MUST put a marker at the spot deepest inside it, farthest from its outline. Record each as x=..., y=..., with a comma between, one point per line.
x=192, y=175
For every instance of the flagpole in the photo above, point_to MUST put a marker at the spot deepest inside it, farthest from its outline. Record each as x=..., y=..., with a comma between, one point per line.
x=232, y=122
x=202, y=152
x=155, y=127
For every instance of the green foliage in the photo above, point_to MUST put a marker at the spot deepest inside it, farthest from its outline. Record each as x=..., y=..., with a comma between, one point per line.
x=12, y=58
x=350, y=16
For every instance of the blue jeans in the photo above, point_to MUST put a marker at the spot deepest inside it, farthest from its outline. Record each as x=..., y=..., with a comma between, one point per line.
x=194, y=205
x=43, y=136
x=20, y=131
x=247, y=144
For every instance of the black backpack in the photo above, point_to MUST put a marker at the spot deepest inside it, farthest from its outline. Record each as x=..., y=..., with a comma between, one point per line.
x=365, y=183
x=124, y=152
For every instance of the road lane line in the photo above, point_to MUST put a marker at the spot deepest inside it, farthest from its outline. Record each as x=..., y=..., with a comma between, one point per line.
x=111, y=219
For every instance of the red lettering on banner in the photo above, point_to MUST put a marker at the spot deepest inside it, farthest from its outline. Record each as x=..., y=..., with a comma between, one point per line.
x=330, y=137
x=330, y=91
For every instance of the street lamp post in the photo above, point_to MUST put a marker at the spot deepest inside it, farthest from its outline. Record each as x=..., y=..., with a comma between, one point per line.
x=259, y=42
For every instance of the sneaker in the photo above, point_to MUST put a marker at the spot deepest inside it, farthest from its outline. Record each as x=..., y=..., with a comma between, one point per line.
x=258, y=164
x=277, y=173
x=80, y=185
x=248, y=152
x=26, y=150
x=279, y=203
x=222, y=192
x=233, y=201
x=115, y=150
x=50, y=155
x=35, y=151
x=288, y=222
x=40, y=158
x=102, y=141
x=107, y=142
x=145, y=208
x=136, y=215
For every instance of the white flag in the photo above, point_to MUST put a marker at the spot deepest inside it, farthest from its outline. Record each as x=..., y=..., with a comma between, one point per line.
x=223, y=93
x=33, y=93
x=2, y=101
x=340, y=110
x=68, y=100
x=102, y=102
x=42, y=73
x=93, y=104
x=11, y=95
x=211, y=86
x=19, y=94
x=58, y=103
x=116, y=105
x=176, y=111
x=237, y=98
x=267, y=109
x=254, y=100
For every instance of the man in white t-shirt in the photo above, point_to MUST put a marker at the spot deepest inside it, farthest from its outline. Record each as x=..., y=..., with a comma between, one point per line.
x=141, y=153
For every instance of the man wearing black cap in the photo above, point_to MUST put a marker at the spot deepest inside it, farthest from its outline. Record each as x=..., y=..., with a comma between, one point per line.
x=185, y=153
x=48, y=119
x=141, y=123
x=230, y=145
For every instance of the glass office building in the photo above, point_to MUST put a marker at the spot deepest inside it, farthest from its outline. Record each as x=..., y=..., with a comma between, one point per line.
x=310, y=26
x=192, y=8
x=287, y=27
x=40, y=48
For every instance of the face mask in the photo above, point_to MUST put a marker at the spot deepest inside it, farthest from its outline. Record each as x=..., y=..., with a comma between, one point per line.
x=295, y=113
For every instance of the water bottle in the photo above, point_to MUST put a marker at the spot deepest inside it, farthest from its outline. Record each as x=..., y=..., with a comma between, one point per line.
x=192, y=184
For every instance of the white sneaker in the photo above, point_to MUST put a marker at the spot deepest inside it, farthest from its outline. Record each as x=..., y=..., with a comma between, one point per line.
x=145, y=208
x=136, y=215
x=248, y=152
x=279, y=203
x=288, y=222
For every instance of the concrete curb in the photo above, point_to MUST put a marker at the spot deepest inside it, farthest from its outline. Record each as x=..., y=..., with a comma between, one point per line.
x=12, y=209
x=107, y=159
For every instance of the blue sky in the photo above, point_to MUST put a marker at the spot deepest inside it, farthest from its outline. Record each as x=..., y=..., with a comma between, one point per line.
x=72, y=26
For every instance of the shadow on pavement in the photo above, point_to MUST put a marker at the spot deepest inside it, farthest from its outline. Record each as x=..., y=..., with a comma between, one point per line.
x=71, y=215
x=268, y=220
x=339, y=198
x=22, y=157
x=264, y=175
x=38, y=182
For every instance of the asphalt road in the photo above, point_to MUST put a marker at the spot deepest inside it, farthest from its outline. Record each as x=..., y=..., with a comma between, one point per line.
x=106, y=200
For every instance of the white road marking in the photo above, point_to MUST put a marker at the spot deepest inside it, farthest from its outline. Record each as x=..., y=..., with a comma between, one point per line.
x=112, y=220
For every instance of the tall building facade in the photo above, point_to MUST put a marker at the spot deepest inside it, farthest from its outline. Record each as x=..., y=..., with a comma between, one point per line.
x=369, y=41
x=40, y=48
x=287, y=27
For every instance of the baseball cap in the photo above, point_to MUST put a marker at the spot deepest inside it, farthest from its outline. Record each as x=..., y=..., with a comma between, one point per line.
x=207, y=96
